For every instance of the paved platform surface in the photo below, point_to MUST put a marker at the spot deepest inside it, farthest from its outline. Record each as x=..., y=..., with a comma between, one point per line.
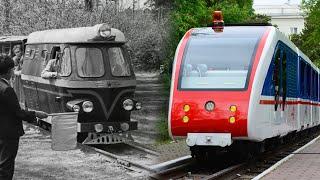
x=303, y=165
x=37, y=161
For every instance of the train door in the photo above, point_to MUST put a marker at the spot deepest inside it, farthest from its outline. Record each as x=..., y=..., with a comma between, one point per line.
x=29, y=85
x=280, y=86
x=54, y=92
x=43, y=88
x=308, y=96
x=314, y=94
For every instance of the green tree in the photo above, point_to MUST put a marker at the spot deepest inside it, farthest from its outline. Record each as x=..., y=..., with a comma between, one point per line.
x=198, y=13
x=309, y=40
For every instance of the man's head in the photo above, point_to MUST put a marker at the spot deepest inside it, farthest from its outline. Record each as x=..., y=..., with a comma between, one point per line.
x=6, y=67
x=17, y=51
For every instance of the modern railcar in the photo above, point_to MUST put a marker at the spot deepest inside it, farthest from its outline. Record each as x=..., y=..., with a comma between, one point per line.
x=95, y=78
x=240, y=84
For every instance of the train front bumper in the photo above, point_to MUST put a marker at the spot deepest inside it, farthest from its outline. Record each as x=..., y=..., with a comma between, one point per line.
x=209, y=139
x=107, y=127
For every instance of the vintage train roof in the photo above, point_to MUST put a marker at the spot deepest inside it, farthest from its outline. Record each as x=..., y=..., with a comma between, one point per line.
x=12, y=38
x=231, y=31
x=76, y=35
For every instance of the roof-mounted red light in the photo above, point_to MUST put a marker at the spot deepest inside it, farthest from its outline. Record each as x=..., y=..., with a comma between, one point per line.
x=218, y=23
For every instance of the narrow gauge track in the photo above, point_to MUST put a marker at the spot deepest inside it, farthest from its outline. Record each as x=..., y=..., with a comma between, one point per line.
x=224, y=167
x=130, y=155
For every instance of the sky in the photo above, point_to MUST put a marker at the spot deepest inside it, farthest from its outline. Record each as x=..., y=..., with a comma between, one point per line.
x=267, y=2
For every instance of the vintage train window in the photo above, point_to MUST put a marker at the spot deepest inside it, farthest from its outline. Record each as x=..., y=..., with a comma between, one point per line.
x=32, y=53
x=7, y=49
x=27, y=52
x=119, y=66
x=89, y=62
x=65, y=63
x=54, y=52
x=44, y=54
x=217, y=62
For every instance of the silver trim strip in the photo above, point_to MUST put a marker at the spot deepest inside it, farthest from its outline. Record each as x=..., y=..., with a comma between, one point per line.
x=80, y=84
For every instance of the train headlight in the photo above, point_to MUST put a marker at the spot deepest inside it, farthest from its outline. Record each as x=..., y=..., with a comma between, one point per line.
x=232, y=120
x=124, y=126
x=186, y=108
x=138, y=105
x=128, y=104
x=233, y=108
x=98, y=127
x=87, y=106
x=76, y=108
x=105, y=31
x=210, y=106
x=185, y=119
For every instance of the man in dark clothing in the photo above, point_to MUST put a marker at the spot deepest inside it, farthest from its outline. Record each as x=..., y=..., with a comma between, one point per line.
x=11, y=116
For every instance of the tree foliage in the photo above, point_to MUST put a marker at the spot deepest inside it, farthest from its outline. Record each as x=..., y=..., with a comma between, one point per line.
x=188, y=14
x=309, y=40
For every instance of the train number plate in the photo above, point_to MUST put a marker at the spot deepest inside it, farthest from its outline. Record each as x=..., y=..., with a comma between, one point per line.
x=209, y=139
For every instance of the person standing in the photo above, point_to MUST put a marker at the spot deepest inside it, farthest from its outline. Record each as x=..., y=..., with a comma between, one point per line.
x=17, y=59
x=11, y=117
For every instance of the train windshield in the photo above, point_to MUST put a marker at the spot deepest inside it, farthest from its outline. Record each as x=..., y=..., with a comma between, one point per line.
x=119, y=66
x=89, y=62
x=217, y=63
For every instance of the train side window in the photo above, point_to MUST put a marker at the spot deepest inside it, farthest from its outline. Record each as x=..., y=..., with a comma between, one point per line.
x=302, y=77
x=32, y=54
x=307, y=81
x=26, y=54
x=65, y=63
x=44, y=54
x=315, y=85
x=276, y=72
x=54, y=51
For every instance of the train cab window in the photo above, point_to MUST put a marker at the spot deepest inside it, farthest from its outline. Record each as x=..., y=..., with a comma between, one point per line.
x=65, y=63
x=119, y=66
x=217, y=62
x=89, y=62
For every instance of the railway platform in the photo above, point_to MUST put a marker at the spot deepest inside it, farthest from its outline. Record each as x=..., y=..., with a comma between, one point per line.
x=37, y=161
x=302, y=164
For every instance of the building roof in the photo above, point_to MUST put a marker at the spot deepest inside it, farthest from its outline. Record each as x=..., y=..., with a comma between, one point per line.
x=286, y=9
x=12, y=38
x=74, y=35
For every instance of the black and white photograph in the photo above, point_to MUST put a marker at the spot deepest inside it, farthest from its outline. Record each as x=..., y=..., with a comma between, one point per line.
x=159, y=89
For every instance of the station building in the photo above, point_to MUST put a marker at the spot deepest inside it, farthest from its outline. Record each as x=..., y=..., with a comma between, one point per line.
x=288, y=17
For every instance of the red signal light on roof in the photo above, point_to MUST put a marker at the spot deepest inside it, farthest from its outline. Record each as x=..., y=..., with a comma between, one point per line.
x=218, y=23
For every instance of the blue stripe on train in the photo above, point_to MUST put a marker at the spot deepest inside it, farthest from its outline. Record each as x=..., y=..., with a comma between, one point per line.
x=306, y=88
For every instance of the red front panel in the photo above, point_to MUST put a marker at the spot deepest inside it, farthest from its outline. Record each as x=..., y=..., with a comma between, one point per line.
x=216, y=121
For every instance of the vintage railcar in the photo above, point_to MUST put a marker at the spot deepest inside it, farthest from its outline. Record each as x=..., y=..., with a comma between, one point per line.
x=240, y=84
x=8, y=42
x=95, y=78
